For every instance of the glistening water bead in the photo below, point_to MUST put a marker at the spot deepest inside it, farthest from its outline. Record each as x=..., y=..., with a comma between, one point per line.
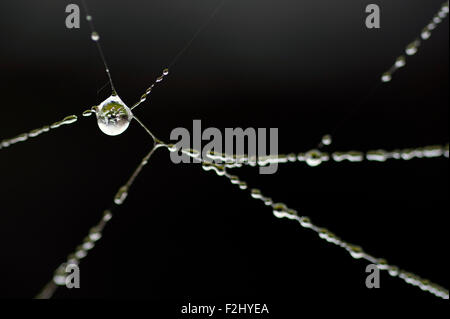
x=95, y=36
x=113, y=116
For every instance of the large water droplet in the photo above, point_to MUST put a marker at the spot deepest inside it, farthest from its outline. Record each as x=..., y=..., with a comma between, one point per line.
x=113, y=116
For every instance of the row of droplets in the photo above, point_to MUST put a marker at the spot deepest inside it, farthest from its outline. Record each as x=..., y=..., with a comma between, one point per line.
x=95, y=233
x=80, y=252
x=281, y=210
x=36, y=132
x=89, y=242
x=316, y=157
x=413, y=47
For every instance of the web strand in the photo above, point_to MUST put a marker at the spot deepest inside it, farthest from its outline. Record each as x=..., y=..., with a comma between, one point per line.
x=281, y=210
x=179, y=54
x=147, y=92
x=400, y=62
x=96, y=38
x=36, y=132
x=197, y=33
x=95, y=233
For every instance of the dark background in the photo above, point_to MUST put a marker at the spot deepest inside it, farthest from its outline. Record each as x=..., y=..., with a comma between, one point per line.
x=185, y=234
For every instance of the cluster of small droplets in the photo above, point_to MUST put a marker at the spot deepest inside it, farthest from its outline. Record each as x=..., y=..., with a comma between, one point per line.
x=281, y=210
x=33, y=133
x=413, y=47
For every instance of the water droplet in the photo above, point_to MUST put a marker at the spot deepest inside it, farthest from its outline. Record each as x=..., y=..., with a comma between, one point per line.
x=69, y=119
x=88, y=244
x=426, y=34
x=292, y=157
x=5, y=143
x=242, y=185
x=234, y=179
x=393, y=271
x=326, y=139
x=89, y=18
x=72, y=259
x=355, y=251
x=256, y=193
x=386, y=77
x=59, y=276
x=171, y=147
x=80, y=253
x=305, y=222
x=268, y=201
x=431, y=26
x=329, y=236
x=400, y=62
x=149, y=90
x=382, y=264
x=377, y=155
x=424, y=284
x=165, y=72
x=95, y=36
x=291, y=213
x=323, y=233
x=313, y=158
x=20, y=138
x=219, y=170
x=87, y=113
x=35, y=132
x=107, y=215
x=113, y=116
x=95, y=233
x=279, y=210
x=121, y=195
x=437, y=20
x=412, y=48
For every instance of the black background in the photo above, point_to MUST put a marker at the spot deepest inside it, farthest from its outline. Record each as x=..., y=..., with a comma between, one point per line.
x=185, y=234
